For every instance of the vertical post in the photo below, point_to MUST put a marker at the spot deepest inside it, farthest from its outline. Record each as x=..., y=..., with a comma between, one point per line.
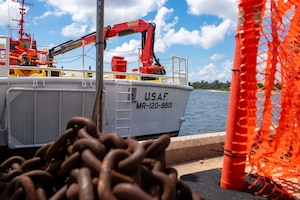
x=243, y=77
x=7, y=52
x=139, y=61
x=83, y=55
x=234, y=161
x=186, y=69
x=172, y=68
x=98, y=108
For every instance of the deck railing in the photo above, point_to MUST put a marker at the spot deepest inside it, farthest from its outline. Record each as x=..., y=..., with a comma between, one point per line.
x=177, y=73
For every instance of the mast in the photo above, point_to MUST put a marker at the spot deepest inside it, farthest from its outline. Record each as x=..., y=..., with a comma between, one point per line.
x=97, y=111
x=21, y=20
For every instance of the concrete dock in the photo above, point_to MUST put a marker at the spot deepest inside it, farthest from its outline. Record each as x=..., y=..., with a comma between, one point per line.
x=184, y=149
x=199, y=166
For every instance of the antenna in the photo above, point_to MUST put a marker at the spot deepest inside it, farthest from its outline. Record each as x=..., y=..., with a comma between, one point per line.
x=22, y=21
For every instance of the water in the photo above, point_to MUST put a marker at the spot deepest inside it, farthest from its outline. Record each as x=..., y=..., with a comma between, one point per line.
x=206, y=112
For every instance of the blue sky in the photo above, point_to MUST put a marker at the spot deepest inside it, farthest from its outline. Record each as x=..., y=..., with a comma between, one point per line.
x=201, y=31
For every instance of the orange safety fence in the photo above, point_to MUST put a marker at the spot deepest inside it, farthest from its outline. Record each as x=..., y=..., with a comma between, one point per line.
x=263, y=127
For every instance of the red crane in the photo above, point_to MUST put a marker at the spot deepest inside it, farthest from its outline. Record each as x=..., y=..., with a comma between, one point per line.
x=147, y=31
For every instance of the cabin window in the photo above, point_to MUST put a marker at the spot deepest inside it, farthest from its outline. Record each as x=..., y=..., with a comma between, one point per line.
x=12, y=47
x=25, y=45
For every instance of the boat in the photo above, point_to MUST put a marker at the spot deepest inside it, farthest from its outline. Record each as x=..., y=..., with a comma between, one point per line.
x=37, y=99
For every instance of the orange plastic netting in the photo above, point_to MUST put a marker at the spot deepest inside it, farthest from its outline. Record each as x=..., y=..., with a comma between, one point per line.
x=268, y=113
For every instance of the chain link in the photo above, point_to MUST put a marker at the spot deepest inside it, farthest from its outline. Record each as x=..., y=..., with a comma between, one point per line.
x=83, y=164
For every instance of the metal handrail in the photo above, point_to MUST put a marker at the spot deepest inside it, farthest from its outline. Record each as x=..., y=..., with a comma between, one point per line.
x=178, y=74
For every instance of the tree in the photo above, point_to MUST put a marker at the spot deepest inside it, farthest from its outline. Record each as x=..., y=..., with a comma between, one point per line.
x=216, y=85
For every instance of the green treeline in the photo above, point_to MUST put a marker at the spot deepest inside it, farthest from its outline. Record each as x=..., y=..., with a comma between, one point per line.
x=216, y=85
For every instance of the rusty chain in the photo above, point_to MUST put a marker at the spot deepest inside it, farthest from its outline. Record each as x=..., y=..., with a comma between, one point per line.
x=83, y=164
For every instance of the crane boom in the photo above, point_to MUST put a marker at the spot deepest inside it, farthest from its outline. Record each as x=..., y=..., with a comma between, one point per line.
x=72, y=44
x=146, y=29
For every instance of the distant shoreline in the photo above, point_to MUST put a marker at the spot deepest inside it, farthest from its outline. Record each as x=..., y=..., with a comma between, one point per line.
x=216, y=85
x=213, y=90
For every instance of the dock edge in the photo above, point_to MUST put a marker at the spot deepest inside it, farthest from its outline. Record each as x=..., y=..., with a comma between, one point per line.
x=183, y=149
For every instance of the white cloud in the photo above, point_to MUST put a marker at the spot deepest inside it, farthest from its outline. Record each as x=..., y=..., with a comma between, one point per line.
x=84, y=11
x=211, y=72
x=164, y=14
x=115, y=11
x=127, y=49
x=74, y=30
x=216, y=56
x=47, y=14
x=206, y=37
x=225, y=71
x=9, y=10
x=225, y=9
x=79, y=10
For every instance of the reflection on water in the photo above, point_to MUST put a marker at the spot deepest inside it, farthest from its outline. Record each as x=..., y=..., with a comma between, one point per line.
x=206, y=112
